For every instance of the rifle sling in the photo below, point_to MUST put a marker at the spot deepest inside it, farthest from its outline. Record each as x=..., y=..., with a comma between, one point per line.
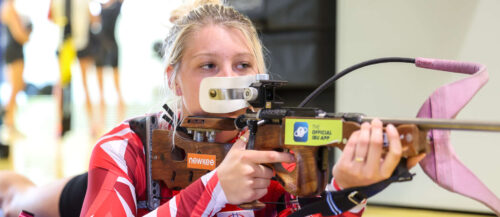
x=337, y=202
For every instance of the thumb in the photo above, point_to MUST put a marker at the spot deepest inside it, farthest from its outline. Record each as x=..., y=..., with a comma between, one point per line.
x=241, y=142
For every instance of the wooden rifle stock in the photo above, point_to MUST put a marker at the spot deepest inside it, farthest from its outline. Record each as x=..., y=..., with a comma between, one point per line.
x=309, y=177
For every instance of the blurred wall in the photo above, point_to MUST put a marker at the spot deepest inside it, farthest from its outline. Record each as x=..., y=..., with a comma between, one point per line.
x=141, y=24
x=465, y=30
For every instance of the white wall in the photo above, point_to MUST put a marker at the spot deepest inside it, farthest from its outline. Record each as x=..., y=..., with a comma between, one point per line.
x=465, y=30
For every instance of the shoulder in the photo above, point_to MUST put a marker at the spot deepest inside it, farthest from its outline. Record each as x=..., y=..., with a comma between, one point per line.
x=125, y=141
x=120, y=147
x=120, y=134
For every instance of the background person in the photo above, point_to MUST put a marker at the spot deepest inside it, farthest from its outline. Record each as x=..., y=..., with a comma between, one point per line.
x=87, y=50
x=18, y=31
x=107, y=54
x=4, y=148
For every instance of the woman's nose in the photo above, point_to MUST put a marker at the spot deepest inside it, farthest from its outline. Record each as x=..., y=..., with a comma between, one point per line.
x=227, y=71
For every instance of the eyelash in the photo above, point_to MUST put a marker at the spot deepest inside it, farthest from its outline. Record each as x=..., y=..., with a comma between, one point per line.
x=240, y=66
x=245, y=64
x=203, y=66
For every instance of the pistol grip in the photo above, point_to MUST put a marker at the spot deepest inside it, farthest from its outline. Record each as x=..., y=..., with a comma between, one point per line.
x=306, y=178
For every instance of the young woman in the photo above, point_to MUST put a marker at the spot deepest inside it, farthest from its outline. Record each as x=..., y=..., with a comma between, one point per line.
x=214, y=40
x=207, y=40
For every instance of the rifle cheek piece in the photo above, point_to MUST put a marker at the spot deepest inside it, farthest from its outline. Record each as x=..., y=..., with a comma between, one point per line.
x=229, y=94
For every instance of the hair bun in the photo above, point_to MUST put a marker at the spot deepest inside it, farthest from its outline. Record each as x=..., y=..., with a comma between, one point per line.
x=189, y=5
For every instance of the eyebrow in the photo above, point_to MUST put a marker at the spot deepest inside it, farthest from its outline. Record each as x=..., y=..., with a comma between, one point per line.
x=214, y=54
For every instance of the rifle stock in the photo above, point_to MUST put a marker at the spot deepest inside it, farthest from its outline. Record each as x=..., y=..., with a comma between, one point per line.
x=309, y=176
x=169, y=163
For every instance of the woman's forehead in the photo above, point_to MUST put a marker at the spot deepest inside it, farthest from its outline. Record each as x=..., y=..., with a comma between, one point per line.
x=217, y=40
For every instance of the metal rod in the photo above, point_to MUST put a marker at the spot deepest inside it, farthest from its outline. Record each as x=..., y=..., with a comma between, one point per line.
x=448, y=124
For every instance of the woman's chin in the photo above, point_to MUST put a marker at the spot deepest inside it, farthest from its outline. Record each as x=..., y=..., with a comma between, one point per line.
x=234, y=114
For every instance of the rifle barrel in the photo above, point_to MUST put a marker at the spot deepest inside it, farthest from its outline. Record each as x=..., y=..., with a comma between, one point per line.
x=447, y=124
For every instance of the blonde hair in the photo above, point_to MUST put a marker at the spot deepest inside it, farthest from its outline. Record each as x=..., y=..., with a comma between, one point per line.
x=192, y=17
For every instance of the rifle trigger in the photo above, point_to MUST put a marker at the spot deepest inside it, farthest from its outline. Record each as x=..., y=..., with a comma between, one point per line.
x=252, y=128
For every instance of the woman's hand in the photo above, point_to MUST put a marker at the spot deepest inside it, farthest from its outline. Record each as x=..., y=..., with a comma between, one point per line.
x=241, y=174
x=362, y=163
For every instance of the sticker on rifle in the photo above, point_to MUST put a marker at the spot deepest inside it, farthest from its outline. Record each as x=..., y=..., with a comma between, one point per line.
x=201, y=161
x=312, y=132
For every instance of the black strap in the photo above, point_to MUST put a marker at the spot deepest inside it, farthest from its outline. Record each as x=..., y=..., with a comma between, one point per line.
x=337, y=202
x=168, y=110
x=171, y=121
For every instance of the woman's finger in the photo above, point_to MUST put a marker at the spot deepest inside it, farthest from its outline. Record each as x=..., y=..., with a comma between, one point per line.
x=394, y=154
x=261, y=192
x=362, y=145
x=375, y=147
x=262, y=157
x=350, y=147
x=261, y=171
x=259, y=183
x=241, y=142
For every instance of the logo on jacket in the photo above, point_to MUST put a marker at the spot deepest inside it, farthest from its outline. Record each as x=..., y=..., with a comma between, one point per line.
x=300, y=131
x=237, y=213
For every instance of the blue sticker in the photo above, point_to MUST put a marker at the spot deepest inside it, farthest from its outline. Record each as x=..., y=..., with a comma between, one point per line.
x=300, y=131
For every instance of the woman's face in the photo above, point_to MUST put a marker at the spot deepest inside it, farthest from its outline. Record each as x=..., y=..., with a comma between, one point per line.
x=212, y=51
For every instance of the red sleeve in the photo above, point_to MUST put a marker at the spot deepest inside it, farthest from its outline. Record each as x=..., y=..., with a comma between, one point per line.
x=116, y=163
x=117, y=176
x=355, y=211
x=204, y=197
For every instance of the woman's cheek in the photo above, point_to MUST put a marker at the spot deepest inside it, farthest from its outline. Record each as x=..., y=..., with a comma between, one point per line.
x=192, y=102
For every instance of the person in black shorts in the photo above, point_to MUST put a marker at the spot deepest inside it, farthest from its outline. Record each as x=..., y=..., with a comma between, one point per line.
x=17, y=31
x=86, y=57
x=108, y=53
x=4, y=148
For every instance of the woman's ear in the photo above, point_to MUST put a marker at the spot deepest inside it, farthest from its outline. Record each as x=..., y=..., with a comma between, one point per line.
x=178, y=91
x=170, y=75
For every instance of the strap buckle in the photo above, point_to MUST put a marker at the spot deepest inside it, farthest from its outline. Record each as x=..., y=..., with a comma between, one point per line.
x=356, y=197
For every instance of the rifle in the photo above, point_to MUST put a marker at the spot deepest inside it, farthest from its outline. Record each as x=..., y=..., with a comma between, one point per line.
x=310, y=133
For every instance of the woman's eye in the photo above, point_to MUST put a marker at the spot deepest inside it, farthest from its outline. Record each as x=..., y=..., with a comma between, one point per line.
x=208, y=66
x=243, y=65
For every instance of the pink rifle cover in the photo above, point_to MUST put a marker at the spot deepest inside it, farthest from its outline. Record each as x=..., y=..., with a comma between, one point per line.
x=441, y=164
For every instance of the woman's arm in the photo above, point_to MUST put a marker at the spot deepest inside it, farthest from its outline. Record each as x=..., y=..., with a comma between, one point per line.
x=11, y=19
x=117, y=159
